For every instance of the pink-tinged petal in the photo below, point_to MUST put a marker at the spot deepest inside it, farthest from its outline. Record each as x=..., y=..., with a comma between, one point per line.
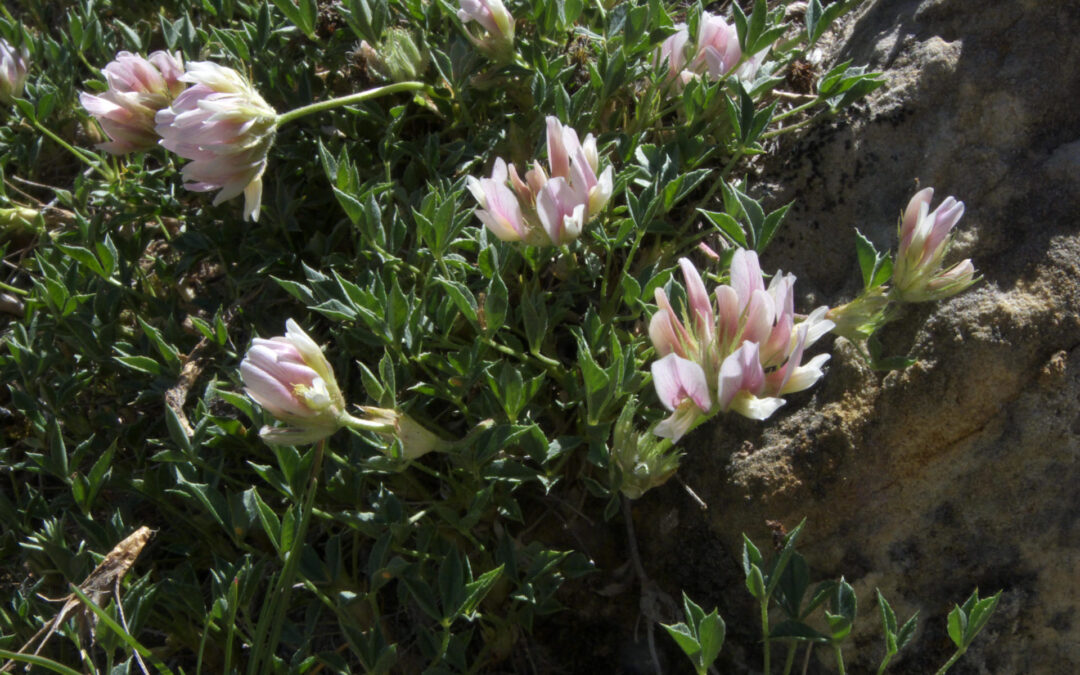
x=558, y=155
x=524, y=192
x=681, y=334
x=662, y=334
x=944, y=217
x=759, y=316
x=270, y=392
x=701, y=313
x=745, y=276
x=678, y=423
x=295, y=435
x=740, y=371
x=677, y=379
x=754, y=407
x=673, y=51
x=556, y=201
x=778, y=379
x=911, y=214
x=727, y=306
x=805, y=376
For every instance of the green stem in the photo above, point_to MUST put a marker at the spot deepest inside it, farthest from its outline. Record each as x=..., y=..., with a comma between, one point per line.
x=767, y=668
x=795, y=111
x=94, y=163
x=790, y=660
x=12, y=289
x=884, y=664
x=792, y=127
x=839, y=658
x=949, y=664
x=297, y=113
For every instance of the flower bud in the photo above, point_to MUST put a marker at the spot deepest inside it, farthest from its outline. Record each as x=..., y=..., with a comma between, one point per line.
x=858, y=319
x=290, y=377
x=138, y=89
x=225, y=127
x=925, y=238
x=496, y=21
x=639, y=462
x=415, y=439
x=397, y=59
x=14, y=66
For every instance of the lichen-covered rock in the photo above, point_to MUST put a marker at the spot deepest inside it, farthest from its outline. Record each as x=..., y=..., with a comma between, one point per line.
x=962, y=470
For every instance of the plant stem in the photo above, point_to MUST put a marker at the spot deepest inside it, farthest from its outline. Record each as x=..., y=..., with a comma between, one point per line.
x=765, y=635
x=794, y=111
x=790, y=661
x=839, y=658
x=94, y=163
x=949, y=664
x=297, y=113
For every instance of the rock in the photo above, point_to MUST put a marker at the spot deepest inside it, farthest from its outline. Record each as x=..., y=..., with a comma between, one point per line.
x=961, y=471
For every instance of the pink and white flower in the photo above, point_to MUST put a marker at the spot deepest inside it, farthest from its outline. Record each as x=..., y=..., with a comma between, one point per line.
x=924, y=241
x=138, y=88
x=225, y=127
x=673, y=52
x=290, y=377
x=499, y=207
x=718, y=50
x=14, y=67
x=546, y=207
x=746, y=340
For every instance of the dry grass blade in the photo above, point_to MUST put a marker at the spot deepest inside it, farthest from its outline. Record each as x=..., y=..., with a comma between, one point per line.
x=97, y=585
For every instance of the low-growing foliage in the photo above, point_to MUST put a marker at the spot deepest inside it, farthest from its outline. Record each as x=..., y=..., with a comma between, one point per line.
x=467, y=220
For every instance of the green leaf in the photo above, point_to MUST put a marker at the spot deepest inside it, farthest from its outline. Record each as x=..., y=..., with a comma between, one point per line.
x=755, y=583
x=711, y=632
x=495, y=305
x=685, y=638
x=270, y=523
x=462, y=297
x=451, y=584
x=476, y=591
x=907, y=631
x=957, y=626
x=888, y=618
x=728, y=226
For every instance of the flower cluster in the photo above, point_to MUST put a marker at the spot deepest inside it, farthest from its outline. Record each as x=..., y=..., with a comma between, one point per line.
x=14, y=66
x=741, y=350
x=716, y=52
x=221, y=122
x=547, y=207
x=137, y=89
x=225, y=127
x=498, y=24
x=925, y=237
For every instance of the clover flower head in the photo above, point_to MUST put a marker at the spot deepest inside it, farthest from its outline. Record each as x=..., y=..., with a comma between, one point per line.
x=548, y=207
x=290, y=377
x=925, y=238
x=225, y=128
x=740, y=349
x=138, y=88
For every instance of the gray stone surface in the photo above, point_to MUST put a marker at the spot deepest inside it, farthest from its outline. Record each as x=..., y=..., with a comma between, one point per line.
x=962, y=470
